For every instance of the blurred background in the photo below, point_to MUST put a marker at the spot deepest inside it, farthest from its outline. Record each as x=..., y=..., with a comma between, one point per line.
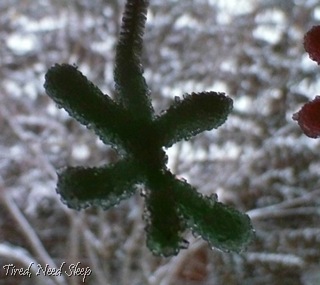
x=258, y=161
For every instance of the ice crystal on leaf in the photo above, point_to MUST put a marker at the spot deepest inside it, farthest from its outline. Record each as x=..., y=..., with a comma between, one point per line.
x=131, y=127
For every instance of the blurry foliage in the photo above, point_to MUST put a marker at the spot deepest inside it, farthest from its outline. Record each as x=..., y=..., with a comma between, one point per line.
x=262, y=163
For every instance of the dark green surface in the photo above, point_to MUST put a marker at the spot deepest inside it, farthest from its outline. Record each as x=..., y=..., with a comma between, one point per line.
x=132, y=128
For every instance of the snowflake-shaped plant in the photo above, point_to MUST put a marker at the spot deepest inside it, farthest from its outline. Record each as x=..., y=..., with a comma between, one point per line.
x=140, y=136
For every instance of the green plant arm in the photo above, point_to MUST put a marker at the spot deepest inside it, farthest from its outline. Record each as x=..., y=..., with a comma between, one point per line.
x=222, y=226
x=71, y=90
x=132, y=89
x=98, y=186
x=194, y=114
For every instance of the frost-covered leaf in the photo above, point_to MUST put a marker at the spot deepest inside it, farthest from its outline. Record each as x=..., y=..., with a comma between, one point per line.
x=194, y=114
x=106, y=186
x=164, y=223
x=222, y=226
x=84, y=101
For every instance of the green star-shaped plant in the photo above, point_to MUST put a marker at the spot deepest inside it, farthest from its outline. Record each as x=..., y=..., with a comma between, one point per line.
x=131, y=127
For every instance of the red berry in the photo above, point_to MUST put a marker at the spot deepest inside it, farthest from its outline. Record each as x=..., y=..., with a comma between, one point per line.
x=312, y=43
x=309, y=118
